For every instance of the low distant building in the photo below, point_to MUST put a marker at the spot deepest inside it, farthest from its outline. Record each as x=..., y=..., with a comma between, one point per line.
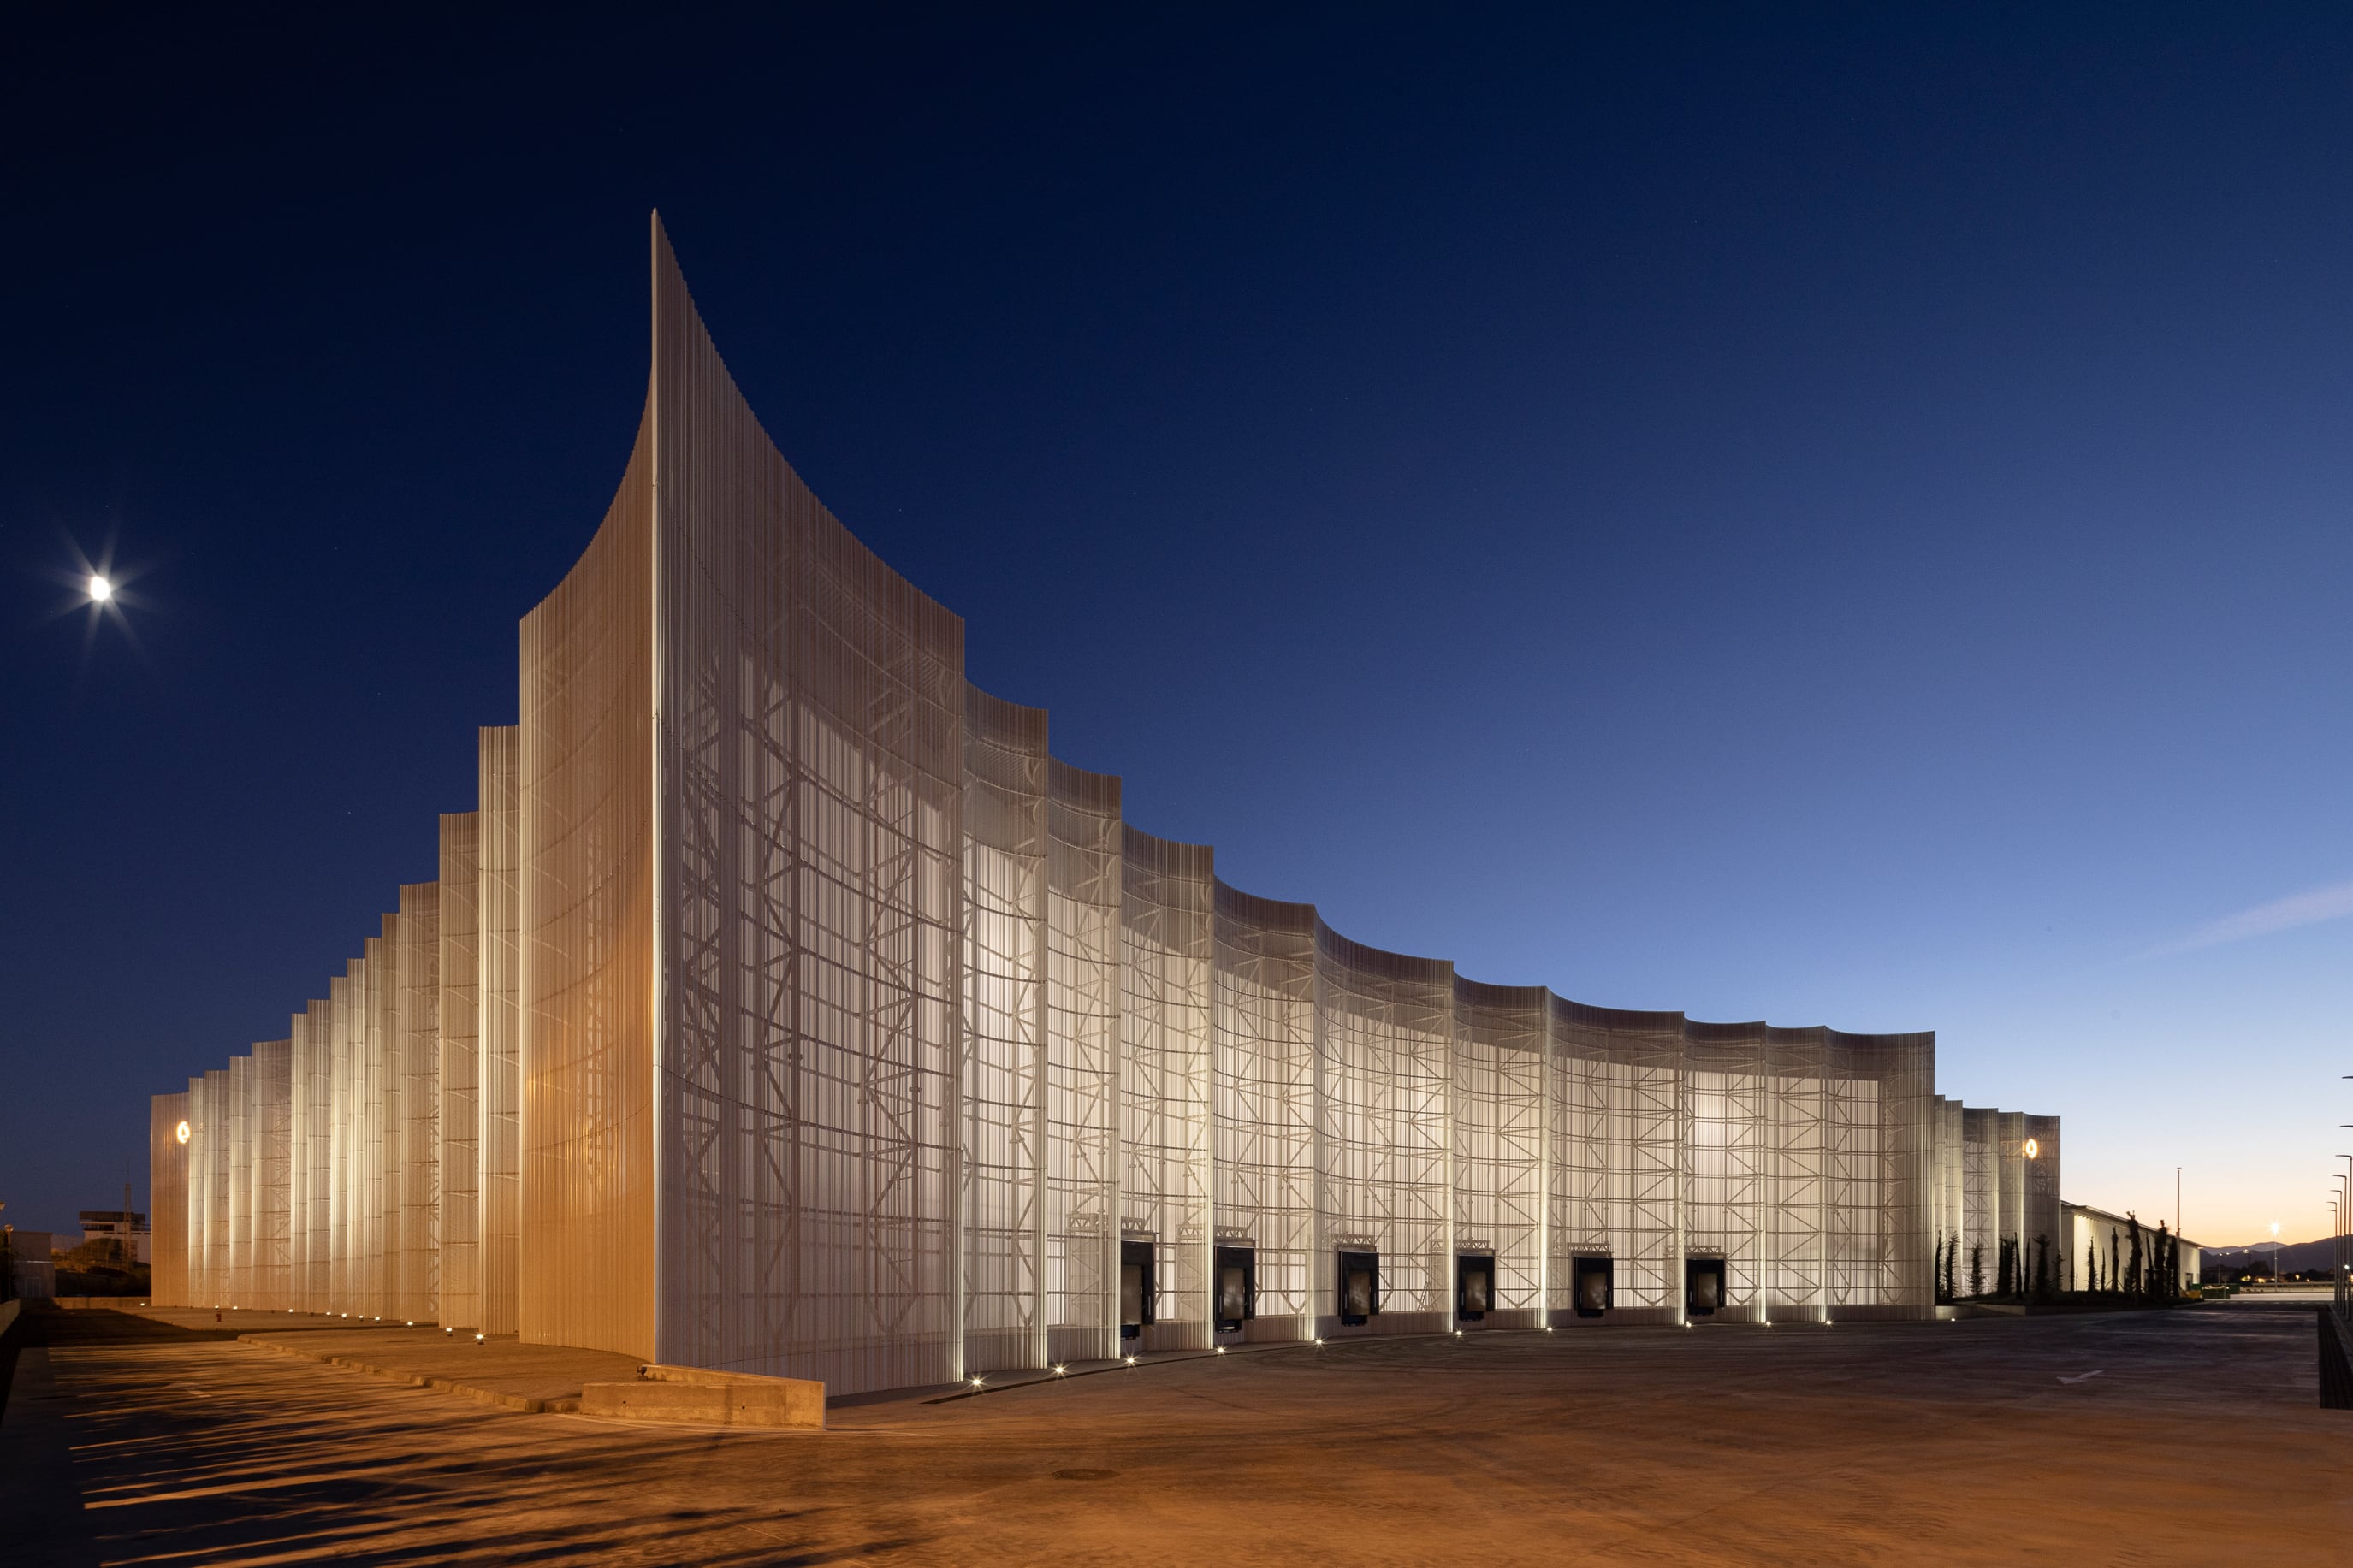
x=118, y=1225
x=2099, y=1248
x=32, y=1270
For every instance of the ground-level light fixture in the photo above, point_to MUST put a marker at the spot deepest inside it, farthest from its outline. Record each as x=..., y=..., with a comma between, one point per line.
x=1131, y=1360
x=478, y=1339
x=975, y=1382
x=1221, y=1350
x=1062, y=1371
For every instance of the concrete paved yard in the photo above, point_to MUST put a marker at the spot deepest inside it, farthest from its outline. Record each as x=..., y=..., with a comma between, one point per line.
x=1974, y=1442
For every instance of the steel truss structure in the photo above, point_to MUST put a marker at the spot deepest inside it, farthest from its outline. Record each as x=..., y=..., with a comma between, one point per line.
x=785, y=1005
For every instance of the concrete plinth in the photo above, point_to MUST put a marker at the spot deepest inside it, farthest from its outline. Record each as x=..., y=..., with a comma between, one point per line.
x=692, y=1396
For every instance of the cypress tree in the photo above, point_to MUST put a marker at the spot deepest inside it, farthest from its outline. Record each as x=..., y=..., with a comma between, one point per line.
x=2133, y=1258
x=2160, y=1282
x=1977, y=1268
x=2042, y=1267
x=2112, y=1261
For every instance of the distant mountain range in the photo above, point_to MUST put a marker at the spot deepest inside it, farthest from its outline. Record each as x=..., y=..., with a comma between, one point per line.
x=2294, y=1257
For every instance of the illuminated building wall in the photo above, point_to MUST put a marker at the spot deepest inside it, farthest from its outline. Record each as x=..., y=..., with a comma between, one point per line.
x=783, y=1004
x=457, y=1127
x=167, y=1198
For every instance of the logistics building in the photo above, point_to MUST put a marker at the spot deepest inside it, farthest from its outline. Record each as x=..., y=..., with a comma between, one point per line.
x=785, y=1006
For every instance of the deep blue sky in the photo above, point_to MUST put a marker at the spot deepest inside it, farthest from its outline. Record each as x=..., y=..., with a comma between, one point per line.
x=1828, y=516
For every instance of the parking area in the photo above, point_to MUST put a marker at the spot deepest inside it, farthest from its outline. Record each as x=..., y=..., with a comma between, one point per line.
x=2136, y=1438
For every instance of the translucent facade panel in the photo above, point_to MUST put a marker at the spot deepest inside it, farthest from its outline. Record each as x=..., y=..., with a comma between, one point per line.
x=268, y=1280
x=1796, y=1189
x=1881, y=1145
x=1617, y=1110
x=1167, y=1192
x=238, y=1288
x=1502, y=1136
x=298, y=1163
x=1083, y=879
x=1004, y=1086
x=1981, y=1200
x=498, y=1020
x=215, y=1132
x=459, y=1162
x=1385, y=1027
x=313, y=1212
x=2041, y=1210
x=1953, y=1150
x=808, y=782
x=1730, y=1158
x=375, y=1063
x=589, y=871
x=168, y=1201
x=391, y=1173
x=342, y=1001
x=199, y=1207
x=1265, y=1109
x=2010, y=1177
x=420, y=1148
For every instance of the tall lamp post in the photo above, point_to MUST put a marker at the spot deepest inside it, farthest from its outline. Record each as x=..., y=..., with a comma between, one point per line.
x=2336, y=1224
x=2337, y=1247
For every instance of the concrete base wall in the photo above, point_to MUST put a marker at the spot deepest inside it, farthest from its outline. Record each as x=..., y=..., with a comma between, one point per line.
x=692, y=1396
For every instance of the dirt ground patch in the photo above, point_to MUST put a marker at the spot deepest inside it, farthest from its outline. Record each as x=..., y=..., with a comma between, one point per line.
x=2140, y=1437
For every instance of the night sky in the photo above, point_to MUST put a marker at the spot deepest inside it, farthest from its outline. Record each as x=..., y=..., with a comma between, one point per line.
x=1828, y=516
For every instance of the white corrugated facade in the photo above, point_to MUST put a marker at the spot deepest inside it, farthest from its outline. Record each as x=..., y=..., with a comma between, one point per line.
x=782, y=1004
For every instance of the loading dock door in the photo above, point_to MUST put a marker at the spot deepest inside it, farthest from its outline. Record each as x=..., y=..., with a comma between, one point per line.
x=1136, y=1291
x=1702, y=1286
x=1591, y=1285
x=1360, y=1285
x=1474, y=1286
x=1237, y=1268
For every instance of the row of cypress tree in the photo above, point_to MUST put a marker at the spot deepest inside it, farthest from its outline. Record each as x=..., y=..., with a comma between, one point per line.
x=2143, y=1270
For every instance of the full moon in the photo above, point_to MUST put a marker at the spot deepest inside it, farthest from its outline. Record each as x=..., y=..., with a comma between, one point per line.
x=101, y=590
